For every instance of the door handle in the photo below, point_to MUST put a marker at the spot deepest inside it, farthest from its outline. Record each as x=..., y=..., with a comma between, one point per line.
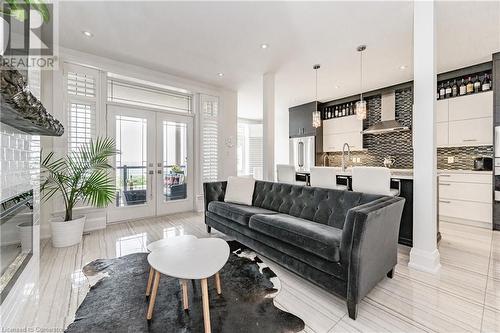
x=445, y=184
x=469, y=140
x=151, y=173
x=445, y=201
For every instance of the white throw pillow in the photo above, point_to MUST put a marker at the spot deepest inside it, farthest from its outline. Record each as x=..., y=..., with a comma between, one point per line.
x=239, y=190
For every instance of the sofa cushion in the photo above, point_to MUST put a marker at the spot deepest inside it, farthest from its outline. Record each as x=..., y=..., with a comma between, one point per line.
x=240, y=190
x=288, y=252
x=320, y=205
x=236, y=212
x=320, y=239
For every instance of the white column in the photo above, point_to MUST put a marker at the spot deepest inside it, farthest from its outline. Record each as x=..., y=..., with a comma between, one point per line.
x=424, y=255
x=268, y=124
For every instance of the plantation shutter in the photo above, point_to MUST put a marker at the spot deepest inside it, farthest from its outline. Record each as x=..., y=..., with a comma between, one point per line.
x=81, y=97
x=209, y=138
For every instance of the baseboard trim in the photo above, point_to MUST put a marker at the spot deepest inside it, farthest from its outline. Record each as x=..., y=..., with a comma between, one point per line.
x=425, y=261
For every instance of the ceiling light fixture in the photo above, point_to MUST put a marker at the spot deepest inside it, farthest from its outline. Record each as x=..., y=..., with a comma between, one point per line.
x=402, y=67
x=87, y=34
x=337, y=87
x=220, y=74
x=264, y=46
x=361, y=104
x=316, y=115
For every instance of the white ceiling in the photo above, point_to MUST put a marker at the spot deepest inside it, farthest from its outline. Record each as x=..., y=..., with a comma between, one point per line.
x=200, y=39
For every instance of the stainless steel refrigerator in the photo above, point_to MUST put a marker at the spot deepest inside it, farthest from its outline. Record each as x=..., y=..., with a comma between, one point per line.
x=302, y=153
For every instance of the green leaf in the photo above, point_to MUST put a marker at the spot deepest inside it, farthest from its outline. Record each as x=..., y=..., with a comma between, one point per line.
x=40, y=7
x=80, y=176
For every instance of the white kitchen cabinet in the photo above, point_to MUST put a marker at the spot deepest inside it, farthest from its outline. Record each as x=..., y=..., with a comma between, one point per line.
x=442, y=134
x=466, y=198
x=465, y=191
x=335, y=142
x=342, y=125
x=465, y=120
x=471, y=132
x=466, y=210
x=471, y=106
x=338, y=131
x=442, y=110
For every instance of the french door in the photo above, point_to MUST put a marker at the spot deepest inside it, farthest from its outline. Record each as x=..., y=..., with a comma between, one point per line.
x=153, y=170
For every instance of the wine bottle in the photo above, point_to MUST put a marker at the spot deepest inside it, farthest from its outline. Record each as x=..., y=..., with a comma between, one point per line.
x=447, y=91
x=441, y=91
x=470, y=86
x=462, y=89
x=336, y=112
x=486, y=83
x=454, y=89
x=477, y=85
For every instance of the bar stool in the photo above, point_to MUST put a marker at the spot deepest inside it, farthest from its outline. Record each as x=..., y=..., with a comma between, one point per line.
x=373, y=180
x=325, y=177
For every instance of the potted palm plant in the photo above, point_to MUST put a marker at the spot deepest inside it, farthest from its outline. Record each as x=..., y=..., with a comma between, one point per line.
x=81, y=176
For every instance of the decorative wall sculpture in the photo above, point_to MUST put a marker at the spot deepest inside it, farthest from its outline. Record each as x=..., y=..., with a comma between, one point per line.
x=21, y=110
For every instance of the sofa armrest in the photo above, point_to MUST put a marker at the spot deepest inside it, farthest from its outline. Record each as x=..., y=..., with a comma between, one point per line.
x=213, y=191
x=369, y=244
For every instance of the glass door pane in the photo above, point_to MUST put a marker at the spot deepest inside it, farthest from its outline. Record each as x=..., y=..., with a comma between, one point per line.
x=131, y=163
x=174, y=160
x=134, y=131
x=175, y=170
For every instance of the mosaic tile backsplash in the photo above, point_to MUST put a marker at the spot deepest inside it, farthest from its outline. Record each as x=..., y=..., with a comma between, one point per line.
x=396, y=145
x=399, y=145
x=463, y=156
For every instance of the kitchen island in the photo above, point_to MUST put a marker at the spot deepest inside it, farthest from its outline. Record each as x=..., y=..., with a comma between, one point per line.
x=401, y=179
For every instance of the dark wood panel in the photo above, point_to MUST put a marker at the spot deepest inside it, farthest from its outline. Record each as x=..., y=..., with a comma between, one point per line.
x=469, y=70
x=300, y=120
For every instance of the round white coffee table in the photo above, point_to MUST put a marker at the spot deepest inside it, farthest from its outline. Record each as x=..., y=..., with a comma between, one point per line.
x=160, y=244
x=196, y=259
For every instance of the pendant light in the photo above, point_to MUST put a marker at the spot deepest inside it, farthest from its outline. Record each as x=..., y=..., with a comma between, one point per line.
x=361, y=104
x=316, y=115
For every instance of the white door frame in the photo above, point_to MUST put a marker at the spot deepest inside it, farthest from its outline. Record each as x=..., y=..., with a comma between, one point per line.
x=155, y=205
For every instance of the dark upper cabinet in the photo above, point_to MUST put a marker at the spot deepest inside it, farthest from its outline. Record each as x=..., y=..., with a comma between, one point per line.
x=300, y=120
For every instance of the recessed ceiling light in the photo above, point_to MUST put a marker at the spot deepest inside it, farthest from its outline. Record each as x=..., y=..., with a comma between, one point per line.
x=264, y=46
x=336, y=87
x=220, y=74
x=402, y=67
x=88, y=34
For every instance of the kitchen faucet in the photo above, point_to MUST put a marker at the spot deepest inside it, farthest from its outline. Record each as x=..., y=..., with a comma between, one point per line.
x=325, y=155
x=343, y=155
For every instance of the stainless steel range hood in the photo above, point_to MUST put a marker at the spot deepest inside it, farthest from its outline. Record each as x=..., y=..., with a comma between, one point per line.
x=388, y=123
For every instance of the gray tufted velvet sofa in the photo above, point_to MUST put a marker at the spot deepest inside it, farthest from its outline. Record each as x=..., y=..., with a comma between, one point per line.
x=343, y=241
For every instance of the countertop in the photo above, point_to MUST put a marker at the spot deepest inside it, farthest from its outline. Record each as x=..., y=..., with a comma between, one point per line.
x=408, y=173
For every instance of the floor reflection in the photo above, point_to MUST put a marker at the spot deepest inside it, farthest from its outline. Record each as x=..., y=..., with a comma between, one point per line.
x=78, y=279
x=131, y=244
x=173, y=232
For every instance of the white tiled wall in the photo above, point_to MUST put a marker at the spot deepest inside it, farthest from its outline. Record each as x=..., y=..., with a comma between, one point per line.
x=19, y=172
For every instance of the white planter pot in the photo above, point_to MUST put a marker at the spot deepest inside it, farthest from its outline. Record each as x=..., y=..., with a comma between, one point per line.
x=67, y=233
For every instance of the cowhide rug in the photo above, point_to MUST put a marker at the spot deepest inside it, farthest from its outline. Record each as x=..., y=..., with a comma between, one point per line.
x=117, y=302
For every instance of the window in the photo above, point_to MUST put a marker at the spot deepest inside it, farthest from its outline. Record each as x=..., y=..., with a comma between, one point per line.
x=250, y=148
x=148, y=94
x=209, y=138
x=81, y=97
